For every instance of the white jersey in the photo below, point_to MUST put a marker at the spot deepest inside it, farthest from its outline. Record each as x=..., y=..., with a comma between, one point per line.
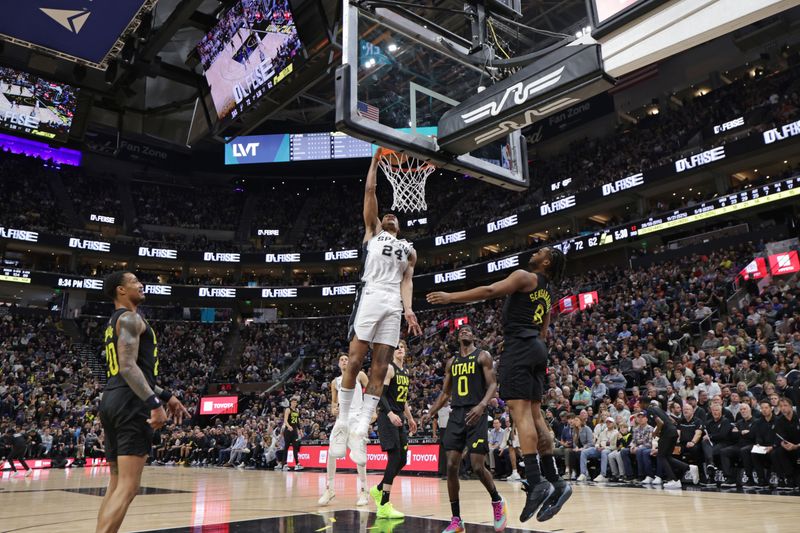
x=358, y=395
x=385, y=260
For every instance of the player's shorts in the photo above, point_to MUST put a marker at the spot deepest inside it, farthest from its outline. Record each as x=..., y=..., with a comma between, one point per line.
x=124, y=418
x=391, y=437
x=523, y=369
x=459, y=435
x=291, y=438
x=376, y=315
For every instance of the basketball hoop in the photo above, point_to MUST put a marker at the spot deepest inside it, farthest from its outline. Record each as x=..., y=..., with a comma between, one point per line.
x=408, y=175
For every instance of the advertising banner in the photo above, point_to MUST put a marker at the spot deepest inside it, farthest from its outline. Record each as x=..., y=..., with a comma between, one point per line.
x=419, y=458
x=784, y=263
x=219, y=405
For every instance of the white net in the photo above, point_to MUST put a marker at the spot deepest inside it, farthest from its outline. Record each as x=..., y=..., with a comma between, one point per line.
x=408, y=175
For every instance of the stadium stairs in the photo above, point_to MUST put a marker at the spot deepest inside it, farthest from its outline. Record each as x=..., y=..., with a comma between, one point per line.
x=64, y=201
x=125, y=198
x=83, y=348
x=306, y=353
x=232, y=351
x=298, y=230
x=246, y=220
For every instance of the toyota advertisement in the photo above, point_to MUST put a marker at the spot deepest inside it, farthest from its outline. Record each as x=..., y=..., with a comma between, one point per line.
x=419, y=458
x=219, y=405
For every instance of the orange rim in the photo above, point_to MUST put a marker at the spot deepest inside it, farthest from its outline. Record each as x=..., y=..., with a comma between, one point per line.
x=402, y=159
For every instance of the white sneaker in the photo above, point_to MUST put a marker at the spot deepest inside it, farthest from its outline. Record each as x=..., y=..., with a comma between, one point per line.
x=297, y=468
x=339, y=435
x=29, y=472
x=357, y=442
x=600, y=479
x=514, y=477
x=582, y=477
x=695, y=473
x=326, y=497
x=363, y=499
x=278, y=468
x=647, y=481
x=240, y=466
x=657, y=481
x=674, y=485
x=285, y=468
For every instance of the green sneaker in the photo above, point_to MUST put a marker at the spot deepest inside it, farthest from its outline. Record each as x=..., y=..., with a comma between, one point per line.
x=376, y=495
x=388, y=511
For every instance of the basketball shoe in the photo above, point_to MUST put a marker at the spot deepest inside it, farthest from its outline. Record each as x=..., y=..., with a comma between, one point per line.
x=339, y=435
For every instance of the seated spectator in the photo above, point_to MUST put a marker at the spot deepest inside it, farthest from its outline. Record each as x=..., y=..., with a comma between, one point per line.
x=605, y=441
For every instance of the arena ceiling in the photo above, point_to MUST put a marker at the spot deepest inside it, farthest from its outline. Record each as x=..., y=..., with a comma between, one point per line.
x=154, y=84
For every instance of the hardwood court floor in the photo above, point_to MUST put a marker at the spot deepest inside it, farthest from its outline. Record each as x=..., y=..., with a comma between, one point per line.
x=181, y=499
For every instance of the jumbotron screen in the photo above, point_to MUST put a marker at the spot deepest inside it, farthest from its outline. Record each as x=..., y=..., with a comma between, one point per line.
x=35, y=106
x=252, y=48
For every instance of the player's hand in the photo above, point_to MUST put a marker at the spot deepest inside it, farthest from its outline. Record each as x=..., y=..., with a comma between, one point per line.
x=335, y=410
x=413, y=325
x=289, y=428
x=474, y=415
x=158, y=417
x=396, y=420
x=438, y=298
x=690, y=444
x=412, y=425
x=423, y=421
x=176, y=410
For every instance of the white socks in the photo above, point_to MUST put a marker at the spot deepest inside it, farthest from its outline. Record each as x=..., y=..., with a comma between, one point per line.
x=367, y=408
x=345, y=399
x=362, y=476
x=331, y=470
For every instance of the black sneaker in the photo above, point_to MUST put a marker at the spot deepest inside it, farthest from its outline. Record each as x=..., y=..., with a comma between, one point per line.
x=728, y=483
x=552, y=505
x=537, y=495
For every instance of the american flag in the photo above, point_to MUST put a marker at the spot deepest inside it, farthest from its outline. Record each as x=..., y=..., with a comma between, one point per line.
x=369, y=111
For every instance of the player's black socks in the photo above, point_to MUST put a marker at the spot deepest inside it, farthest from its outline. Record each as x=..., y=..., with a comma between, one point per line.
x=532, y=472
x=380, y=486
x=549, y=468
x=455, y=508
x=495, y=496
x=384, y=497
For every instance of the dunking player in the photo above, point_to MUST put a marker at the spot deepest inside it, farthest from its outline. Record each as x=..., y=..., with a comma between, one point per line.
x=291, y=434
x=132, y=405
x=467, y=427
x=391, y=430
x=384, y=296
x=358, y=397
x=523, y=365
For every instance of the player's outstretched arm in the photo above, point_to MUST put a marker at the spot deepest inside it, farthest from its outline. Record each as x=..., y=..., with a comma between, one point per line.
x=371, y=220
x=406, y=294
x=517, y=281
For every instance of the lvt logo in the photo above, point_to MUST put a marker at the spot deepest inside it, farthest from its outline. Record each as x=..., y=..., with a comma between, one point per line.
x=243, y=150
